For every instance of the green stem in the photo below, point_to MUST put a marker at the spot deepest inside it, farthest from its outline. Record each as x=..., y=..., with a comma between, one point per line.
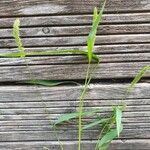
x=96, y=147
x=81, y=101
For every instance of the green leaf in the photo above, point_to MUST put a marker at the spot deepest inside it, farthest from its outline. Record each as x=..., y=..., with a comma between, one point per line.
x=105, y=146
x=48, y=82
x=67, y=117
x=16, y=35
x=97, y=18
x=108, y=137
x=118, y=115
x=138, y=77
x=95, y=123
x=50, y=53
x=11, y=55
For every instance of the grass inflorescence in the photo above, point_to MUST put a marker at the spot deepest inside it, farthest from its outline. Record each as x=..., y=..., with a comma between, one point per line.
x=110, y=126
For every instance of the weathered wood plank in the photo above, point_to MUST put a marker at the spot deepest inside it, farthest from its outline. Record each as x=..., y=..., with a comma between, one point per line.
x=45, y=120
x=73, y=103
x=41, y=118
x=74, y=71
x=67, y=109
x=129, y=144
x=46, y=127
x=76, y=20
x=78, y=40
x=67, y=6
x=130, y=117
x=108, y=94
x=24, y=124
x=78, y=30
x=101, y=49
x=96, y=91
x=67, y=135
x=74, y=59
x=127, y=120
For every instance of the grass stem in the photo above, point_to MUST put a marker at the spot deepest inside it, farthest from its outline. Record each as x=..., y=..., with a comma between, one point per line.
x=88, y=78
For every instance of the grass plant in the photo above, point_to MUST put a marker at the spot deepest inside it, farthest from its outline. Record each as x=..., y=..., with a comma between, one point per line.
x=110, y=127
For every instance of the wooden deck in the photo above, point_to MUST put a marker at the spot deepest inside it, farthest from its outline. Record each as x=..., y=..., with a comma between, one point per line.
x=123, y=41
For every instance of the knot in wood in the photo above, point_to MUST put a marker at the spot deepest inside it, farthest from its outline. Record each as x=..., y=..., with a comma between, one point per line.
x=46, y=30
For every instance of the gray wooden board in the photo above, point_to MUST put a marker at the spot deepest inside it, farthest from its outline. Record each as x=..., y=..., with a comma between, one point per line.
x=67, y=109
x=78, y=30
x=137, y=144
x=70, y=6
x=23, y=100
x=87, y=103
x=123, y=41
x=78, y=40
x=107, y=58
x=46, y=21
x=135, y=117
x=44, y=126
x=100, y=49
x=22, y=109
x=96, y=92
x=66, y=134
x=71, y=71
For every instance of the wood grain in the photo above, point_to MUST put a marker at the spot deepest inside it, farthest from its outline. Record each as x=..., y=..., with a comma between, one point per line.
x=25, y=99
x=78, y=40
x=99, y=49
x=74, y=71
x=96, y=91
x=132, y=117
x=62, y=110
x=129, y=144
x=87, y=103
x=31, y=127
x=49, y=60
x=51, y=21
x=36, y=7
x=67, y=135
x=45, y=123
x=42, y=125
x=123, y=41
x=78, y=30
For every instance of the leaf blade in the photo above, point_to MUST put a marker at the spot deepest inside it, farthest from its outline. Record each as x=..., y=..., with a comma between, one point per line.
x=97, y=18
x=90, y=125
x=67, y=117
x=118, y=117
x=137, y=78
x=108, y=137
